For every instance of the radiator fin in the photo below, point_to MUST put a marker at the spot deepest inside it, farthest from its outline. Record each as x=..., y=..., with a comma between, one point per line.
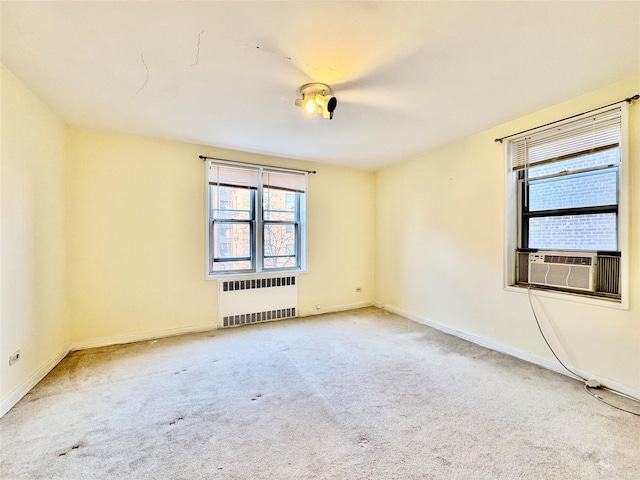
x=235, y=285
x=257, y=317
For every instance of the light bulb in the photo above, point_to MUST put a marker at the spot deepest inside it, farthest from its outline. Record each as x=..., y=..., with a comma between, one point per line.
x=310, y=105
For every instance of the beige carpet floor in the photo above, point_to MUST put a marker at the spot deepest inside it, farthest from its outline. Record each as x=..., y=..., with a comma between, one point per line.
x=355, y=395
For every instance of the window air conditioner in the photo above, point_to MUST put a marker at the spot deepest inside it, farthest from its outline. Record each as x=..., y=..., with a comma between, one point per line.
x=570, y=270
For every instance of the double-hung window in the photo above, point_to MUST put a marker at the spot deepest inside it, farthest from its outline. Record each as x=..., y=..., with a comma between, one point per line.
x=281, y=218
x=256, y=217
x=566, y=183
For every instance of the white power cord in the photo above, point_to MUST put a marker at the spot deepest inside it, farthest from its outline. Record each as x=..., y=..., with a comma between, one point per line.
x=588, y=384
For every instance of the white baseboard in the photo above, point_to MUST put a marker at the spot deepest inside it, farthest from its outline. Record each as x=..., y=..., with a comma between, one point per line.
x=141, y=337
x=502, y=348
x=339, y=308
x=15, y=396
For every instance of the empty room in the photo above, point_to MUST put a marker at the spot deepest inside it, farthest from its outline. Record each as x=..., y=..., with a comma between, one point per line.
x=319, y=240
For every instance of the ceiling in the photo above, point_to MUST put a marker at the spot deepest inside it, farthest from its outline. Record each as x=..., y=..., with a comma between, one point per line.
x=408, y=76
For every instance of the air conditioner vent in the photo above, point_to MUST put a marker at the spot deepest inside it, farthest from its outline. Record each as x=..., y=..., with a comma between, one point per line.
x=566, y=260
x=563, y=269
x=609, y=274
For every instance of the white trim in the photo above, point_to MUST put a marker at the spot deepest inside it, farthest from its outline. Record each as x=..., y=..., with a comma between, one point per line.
x=508, y=350
x=14, y=397
x=303, y=204
x=572, y=297
x=624, y=207
x=251, y=275
x=511, y=223
x=259, y=222
x=230, y=275
x=207, y=214
x=141, y=337
x=339, y=308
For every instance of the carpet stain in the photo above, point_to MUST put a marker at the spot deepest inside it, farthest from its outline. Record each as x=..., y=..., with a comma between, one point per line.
x=173, y=422
x=592, y=457
x=139, y=462
x=443, y=461
x=256, y=397
x=363, y=442
x=539, y=448
x=73, y=447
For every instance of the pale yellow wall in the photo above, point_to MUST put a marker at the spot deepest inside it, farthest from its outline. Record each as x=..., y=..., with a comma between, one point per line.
x=33, y=307
x=340, y=246
x=439, y=250
x=136, y=236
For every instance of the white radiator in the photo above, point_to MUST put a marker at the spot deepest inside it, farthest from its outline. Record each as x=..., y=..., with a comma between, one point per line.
x=255, y=300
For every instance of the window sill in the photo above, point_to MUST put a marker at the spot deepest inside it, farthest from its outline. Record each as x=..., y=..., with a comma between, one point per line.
x=251, y=275
x=571, y=297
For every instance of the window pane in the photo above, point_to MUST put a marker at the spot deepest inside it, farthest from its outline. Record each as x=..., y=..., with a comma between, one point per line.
x=280, y=262
x=280, y=241
x=574, y=232
x=231, y=266
x=598, y=159
x=231, y=203
x=280, y=205
x=231, y=241
x=573, y=191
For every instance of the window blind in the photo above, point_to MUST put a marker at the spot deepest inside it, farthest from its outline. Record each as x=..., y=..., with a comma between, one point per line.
x=229, y=176
x=585, y=135
x=293, y=182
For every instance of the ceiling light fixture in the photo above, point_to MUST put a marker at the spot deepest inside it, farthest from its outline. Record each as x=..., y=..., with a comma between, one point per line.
x=317, y=98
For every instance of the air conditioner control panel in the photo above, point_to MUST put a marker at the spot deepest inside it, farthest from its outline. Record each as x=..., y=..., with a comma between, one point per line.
x=563, y=258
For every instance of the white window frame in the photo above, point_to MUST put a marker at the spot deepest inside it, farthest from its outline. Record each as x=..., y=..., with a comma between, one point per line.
x=258, y=241
x=511, y=220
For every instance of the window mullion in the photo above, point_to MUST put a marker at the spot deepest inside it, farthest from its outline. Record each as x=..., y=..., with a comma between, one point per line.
x=572, y=211
x=576, y=172
x=259, y=234
x=297, y=233
x=212, y=240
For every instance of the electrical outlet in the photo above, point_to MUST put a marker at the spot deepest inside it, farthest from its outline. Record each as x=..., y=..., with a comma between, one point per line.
x=14, y=357
x=358, y=289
